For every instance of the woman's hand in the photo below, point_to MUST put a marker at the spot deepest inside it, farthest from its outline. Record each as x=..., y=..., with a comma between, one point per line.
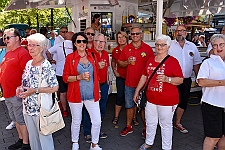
x=162, y=78
x=27, y=92
x=116, y=73
x=85, y=76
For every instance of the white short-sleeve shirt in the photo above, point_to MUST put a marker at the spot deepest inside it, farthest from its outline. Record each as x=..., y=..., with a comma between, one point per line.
x=188, y=56
x=213, y=68
x=59, y=39
x=58, y=51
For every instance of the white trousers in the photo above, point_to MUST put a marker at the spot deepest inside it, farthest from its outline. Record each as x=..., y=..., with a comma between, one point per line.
x=36, y=139
x=94, y=112
x=163, y=114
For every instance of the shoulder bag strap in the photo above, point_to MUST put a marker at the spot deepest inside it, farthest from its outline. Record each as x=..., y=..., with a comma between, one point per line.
x=39, y=85
x=146, y=85
x=64, y=49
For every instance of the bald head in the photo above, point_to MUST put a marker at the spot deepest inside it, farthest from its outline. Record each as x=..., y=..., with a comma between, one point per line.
x=69, y=36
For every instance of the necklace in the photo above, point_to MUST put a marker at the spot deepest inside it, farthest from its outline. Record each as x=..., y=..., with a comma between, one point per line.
x=83, y=56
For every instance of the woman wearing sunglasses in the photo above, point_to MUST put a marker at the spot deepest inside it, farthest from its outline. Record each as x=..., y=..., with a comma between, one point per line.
x=80, y=72
x=95, y=23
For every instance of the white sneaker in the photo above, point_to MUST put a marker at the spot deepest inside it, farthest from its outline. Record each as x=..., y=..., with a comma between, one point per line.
x=11, y=126
x=95, y=148
x=75, y=146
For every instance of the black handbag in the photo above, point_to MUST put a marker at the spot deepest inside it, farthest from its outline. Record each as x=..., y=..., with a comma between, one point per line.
x=142, y=99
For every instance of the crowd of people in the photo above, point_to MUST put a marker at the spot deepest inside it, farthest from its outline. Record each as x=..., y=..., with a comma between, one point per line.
x=76, y=65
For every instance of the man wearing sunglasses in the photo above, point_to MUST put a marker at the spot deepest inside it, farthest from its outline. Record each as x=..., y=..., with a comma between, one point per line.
x=62, y=33
x=134, y=56
x=90, y=33
x=11, y=70
x=189, y=59
x=60, y=51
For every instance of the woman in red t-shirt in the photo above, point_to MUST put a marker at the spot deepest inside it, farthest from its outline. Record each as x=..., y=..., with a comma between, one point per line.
x=119, y=72
x=162, y=93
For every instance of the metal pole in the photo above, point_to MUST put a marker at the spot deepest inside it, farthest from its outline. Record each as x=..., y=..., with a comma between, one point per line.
x=37, y=21
x=159, y=18
x=52, y=16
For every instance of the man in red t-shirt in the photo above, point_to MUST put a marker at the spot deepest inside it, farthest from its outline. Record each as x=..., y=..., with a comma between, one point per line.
x=134, y=56
x=11, y=70
x=103, y=59
x=90, y=33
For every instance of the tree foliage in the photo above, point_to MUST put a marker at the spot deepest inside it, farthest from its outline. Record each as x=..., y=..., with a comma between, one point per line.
x=29, y=16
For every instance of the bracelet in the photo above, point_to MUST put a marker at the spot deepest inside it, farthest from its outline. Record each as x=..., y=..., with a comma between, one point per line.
x=76, y=78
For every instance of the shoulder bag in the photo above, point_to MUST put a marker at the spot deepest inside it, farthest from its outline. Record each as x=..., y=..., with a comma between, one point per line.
x=142, y=99
x=52, y=120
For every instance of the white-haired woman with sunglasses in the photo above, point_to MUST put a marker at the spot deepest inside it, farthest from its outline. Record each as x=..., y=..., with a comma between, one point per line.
x=80, y=72
x=162, y=94
x=211, y=78
x=30, y=90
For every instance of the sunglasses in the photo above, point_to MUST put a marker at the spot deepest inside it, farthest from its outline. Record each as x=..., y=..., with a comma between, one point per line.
x=8, y=37
x=137, y=33
x=64, y=31
x=90, y=34
x=83, y=41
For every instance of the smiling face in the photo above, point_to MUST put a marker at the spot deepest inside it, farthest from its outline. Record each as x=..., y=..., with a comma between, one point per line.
x=161, y=47
x=219, y=47
x=80, y=43
x=121, y=39
x=136, y=34
x=99, y=43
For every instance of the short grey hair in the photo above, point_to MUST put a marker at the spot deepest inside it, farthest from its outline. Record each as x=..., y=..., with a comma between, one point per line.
x=216, y=37
x=136, y=28
x=164, y=38
x=99, y=34
x=39, y=38
x=88, y=29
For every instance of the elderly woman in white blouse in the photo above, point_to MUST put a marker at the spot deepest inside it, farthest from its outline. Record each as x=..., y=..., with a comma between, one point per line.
x=211, y=77
x=30, y=91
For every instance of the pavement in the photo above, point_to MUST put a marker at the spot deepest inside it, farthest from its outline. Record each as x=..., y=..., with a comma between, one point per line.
x=192, y=120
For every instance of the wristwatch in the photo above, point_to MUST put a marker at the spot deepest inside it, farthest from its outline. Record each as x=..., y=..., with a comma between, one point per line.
x=36, y=91
x=169, y=79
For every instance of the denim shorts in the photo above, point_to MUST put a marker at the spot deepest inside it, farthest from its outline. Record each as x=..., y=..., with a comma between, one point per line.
x=15, y=109
x=129, y=94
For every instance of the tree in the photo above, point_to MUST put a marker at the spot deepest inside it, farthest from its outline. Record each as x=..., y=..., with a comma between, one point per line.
x=29, y=16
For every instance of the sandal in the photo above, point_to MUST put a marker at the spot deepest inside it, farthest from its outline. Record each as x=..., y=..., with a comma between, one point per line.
x=115, y=120
x=135, y=121
x=144, y=147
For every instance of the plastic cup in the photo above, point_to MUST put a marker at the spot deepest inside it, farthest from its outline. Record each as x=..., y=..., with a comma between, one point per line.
x=133, y=61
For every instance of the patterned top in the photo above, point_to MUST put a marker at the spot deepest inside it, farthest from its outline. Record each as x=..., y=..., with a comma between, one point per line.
x=30, y=79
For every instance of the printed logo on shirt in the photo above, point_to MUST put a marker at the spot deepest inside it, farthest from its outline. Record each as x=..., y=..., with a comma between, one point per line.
x=143, y=54
x=191, y=54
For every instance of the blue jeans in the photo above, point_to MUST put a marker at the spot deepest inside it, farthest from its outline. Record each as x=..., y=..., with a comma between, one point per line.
x=102, y=103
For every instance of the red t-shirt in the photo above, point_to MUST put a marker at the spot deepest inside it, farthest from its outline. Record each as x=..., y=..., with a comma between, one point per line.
x=116, y=55
x=103, y=73
x=163, y=93
x=11, y=70
x=142, y=55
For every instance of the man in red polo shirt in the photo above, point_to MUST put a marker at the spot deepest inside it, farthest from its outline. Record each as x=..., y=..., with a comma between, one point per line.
x=103, y=59
x=134, y=56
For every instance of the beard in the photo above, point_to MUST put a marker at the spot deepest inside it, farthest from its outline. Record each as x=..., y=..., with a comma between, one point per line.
x=180, y=38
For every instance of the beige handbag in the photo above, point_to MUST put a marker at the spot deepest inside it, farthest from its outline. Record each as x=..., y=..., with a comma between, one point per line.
x=52, y=120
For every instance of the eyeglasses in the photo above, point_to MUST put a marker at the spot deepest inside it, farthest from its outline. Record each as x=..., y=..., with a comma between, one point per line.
x=8, y=37
x=33, y=45
x=180, y=30
x=221, y=45
x=161, y=45
x=137, y=33
x=101, y=42
x=120, y=37
x=83, y=41
x=64, y=31
x=90, y=34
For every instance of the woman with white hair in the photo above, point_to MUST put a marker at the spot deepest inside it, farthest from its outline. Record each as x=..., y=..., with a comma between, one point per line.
x=30, y=89
x=162, y=94
x=211, y=78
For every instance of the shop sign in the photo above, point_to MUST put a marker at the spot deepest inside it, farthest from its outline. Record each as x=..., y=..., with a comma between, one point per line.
x=103, y=7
